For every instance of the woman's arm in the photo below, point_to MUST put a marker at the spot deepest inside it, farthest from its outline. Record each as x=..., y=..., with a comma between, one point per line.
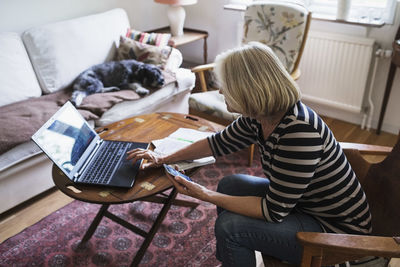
x=236, y=136
x=196, y=150
x=245, y=205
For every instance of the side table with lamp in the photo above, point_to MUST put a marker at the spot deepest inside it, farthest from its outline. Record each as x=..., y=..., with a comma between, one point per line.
x=176, y=16
x=188, y=36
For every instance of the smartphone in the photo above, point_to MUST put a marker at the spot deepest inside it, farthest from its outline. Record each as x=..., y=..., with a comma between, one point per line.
x=174, y=172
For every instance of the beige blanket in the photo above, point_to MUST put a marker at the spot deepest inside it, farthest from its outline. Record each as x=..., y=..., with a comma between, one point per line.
x=19, y=121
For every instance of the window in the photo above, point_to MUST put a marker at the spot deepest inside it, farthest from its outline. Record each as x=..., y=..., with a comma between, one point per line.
x=366, y=11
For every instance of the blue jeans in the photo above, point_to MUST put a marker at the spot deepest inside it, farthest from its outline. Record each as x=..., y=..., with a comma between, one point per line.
x=239, y=236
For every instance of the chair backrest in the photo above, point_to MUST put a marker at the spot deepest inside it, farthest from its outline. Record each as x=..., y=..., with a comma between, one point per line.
x=381, y=183
x=283, y=26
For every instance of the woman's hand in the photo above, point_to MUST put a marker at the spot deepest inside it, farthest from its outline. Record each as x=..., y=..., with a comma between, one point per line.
x=153, y=159
x=188, y=188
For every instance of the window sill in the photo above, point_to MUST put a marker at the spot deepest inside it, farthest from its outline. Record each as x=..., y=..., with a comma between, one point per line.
x=351, y=21
x=316, y=16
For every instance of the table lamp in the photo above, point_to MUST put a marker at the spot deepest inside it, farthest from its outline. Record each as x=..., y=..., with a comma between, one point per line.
x=176, y=14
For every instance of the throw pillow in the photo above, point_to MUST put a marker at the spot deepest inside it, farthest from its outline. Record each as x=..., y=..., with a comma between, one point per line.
x=150, y=54
x=152, y=38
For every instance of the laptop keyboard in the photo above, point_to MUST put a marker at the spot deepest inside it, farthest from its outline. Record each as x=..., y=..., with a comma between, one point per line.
x=103, y=165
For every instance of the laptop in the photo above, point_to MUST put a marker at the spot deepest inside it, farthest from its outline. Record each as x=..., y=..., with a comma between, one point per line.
x=69, y=141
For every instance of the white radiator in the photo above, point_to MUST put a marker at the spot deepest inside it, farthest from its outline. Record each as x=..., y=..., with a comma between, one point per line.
x=334, y=70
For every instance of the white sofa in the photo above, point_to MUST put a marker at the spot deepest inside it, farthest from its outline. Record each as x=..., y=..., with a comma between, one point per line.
x=48, y=58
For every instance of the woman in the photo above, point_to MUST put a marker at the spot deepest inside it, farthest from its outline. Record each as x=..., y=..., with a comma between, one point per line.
x=310, y=185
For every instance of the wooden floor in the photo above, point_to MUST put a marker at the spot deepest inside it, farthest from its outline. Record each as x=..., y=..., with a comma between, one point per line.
x=17, y=219
x=348, y=132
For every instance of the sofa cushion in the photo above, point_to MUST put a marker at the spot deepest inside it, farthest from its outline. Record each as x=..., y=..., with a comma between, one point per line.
x=61, y=51
x=17, y=78
x=152, y=38
x=150, y=54
x=174, y=60
x=211, y=103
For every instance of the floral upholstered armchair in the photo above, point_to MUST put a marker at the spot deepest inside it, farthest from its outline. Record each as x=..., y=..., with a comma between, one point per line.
x=283, y=26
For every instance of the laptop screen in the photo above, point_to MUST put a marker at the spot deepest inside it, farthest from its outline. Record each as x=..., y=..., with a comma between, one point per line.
x=65, y=138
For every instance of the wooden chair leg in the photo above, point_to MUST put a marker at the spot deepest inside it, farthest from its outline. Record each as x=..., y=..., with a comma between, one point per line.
x=203, y=83
x=251, y=155
x=273, y=262
x=312, y=257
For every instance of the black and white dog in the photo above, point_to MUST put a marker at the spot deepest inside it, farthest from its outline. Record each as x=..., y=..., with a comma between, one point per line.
x=116, y=75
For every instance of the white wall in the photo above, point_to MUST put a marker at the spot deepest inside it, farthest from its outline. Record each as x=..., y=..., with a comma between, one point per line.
x=18, y=15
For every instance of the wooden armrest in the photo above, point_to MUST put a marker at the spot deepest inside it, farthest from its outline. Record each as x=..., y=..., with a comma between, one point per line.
x=295, y=74
x=351, y=244
x=200, y=72
x=203, y=67
x=367, y=149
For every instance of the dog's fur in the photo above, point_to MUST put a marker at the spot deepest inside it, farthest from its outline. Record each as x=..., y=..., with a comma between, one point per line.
x=116, y=75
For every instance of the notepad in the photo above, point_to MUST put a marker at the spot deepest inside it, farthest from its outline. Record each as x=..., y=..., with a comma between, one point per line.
x=180, y=139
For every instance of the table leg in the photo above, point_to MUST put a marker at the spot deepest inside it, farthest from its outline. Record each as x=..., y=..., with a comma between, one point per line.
x=205, y=50
x=94, y=224
x=175, y=202
x=185, y=203
x=168, y=201
x=154, y=228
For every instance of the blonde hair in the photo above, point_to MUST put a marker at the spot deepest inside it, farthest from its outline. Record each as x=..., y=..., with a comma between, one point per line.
x=254, y=81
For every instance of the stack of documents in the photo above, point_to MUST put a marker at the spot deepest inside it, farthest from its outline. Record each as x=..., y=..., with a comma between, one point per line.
x=180, y=139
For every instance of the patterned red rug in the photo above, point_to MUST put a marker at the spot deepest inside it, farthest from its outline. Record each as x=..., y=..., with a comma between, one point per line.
x=186, y=237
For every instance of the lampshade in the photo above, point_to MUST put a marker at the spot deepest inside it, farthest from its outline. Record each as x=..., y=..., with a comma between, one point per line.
x=177, y=2
x=176, y=14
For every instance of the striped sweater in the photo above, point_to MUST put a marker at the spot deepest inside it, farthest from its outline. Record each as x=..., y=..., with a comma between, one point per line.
x=307, y=169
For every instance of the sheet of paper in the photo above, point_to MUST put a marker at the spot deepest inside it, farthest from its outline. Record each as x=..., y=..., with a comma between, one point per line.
x=189, y=135
x=169, y=145
x=180, y=139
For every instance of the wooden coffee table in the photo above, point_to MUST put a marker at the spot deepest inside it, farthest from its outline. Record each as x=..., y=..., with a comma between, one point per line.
x=150, y=185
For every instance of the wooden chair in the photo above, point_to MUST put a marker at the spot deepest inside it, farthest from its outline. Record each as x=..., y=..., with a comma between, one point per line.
x=381, y=183
x=263, y=23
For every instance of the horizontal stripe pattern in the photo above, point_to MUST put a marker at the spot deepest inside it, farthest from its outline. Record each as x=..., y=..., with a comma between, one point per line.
x=307, y=169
